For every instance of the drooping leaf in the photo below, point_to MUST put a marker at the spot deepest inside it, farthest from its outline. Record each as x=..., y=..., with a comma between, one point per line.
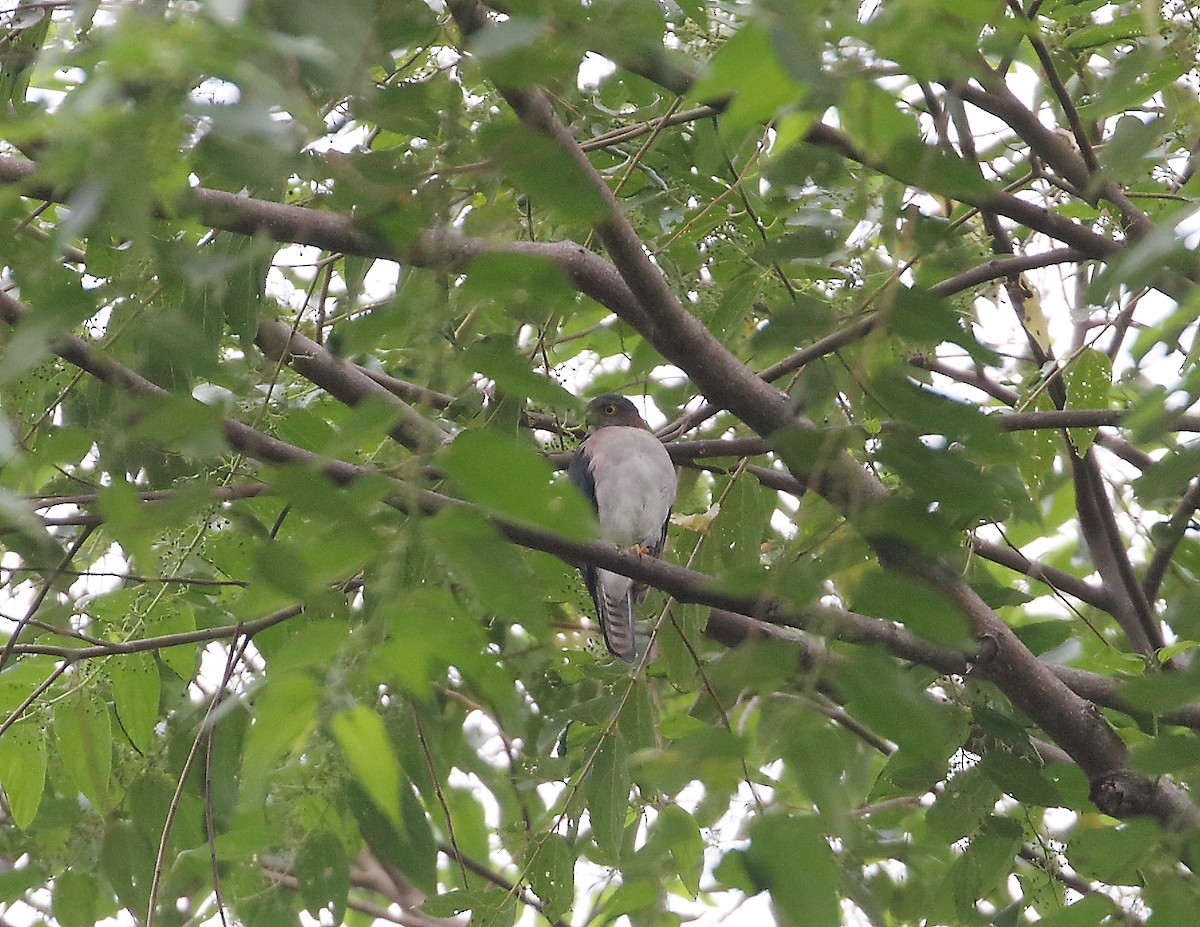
x=682, y=835
x=135, y=696
x=511, y=479
x=608, y=794
x=76, y=898
x=781, y=847
x=551, y=870
x=985, y=862
x=83, y=734
x=1111, y=853
x=1088, y=380
x=363, y=739
x=323, y=873
x=23, y=770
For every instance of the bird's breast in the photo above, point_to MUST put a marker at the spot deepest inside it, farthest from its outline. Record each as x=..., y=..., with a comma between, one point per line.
x=634, y=482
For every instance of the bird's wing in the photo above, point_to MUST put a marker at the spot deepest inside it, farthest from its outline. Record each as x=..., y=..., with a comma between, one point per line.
x=580, y=472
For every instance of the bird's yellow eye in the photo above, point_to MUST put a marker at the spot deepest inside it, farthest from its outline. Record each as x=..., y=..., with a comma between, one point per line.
x=610, y=410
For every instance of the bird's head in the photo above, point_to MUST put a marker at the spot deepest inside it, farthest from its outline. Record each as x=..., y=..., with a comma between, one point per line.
x=611, y=409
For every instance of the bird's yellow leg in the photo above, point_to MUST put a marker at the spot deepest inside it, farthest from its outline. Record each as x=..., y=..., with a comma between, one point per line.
x=640, y=550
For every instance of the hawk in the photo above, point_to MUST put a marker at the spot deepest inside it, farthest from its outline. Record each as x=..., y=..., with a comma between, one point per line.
x=627, y=475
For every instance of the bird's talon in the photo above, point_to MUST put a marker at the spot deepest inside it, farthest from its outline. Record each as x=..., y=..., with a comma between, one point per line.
x=640, y=550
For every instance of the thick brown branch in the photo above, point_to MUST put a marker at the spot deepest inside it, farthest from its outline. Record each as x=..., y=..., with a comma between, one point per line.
x=1056, y=579
x=346, y=382
x=1060, y=91
x=1098, y=525
x=997, y=99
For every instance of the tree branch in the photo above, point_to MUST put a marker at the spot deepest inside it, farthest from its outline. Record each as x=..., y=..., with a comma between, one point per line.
x=1175, y=528
x=346, y=382
x=1056, y=579
x=679, y=337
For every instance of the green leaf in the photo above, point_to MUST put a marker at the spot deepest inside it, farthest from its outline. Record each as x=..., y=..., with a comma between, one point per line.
x=490, y=906
x=893, y=702
x=135, y=685
x=636, y=722
x=364, y=742
x=232, y=274
x=471, y=830
x=543, y=170
x=1174, y=897
x=1160, y=692
x=795, y=323
x=1137, y=77
x=1131, y=141
x=551, y=871
x=986, y=863
x=608, y=795
x=678, y=640
x=747, y=67
x=172, y=617
x=455, y=901
x=682, y=834
x=1041, y=636
x=284, y=716
x=908, y=772
x=781, y=846
x=83, y=733
x=734, y=542
x=76, y=899
x=896, y=596
x=1021, y=777
x=1168, y=752
x=16, y=882
x=388, y=841
x=428, y=629
x=496, y=358
x=272, y=908
x=517, y=288
x=1120, y=27
x=474, y=554
x=928, y=320
x=1038, y=448
x=23, y=770
x=510, y=478
x=1088, y=911
x=127, y=863
x=1112, y=854
x=1088, y=380
x=421, y=861
x=962, y=805
x=26, y=28
x=323, y=873
x=1173, y=650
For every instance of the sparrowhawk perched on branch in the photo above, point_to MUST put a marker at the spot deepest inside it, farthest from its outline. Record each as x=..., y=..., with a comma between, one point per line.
x=626, y=473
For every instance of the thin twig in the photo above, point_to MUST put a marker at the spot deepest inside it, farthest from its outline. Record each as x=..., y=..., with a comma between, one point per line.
x=437, y=790
x=44, y=591
x=1174, y=530
x=231, y=662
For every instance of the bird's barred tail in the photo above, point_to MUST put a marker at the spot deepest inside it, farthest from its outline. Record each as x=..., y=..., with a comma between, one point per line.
x=616, y=623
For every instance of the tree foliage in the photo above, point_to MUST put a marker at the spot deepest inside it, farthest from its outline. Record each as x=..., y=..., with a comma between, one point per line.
x=300, y=300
